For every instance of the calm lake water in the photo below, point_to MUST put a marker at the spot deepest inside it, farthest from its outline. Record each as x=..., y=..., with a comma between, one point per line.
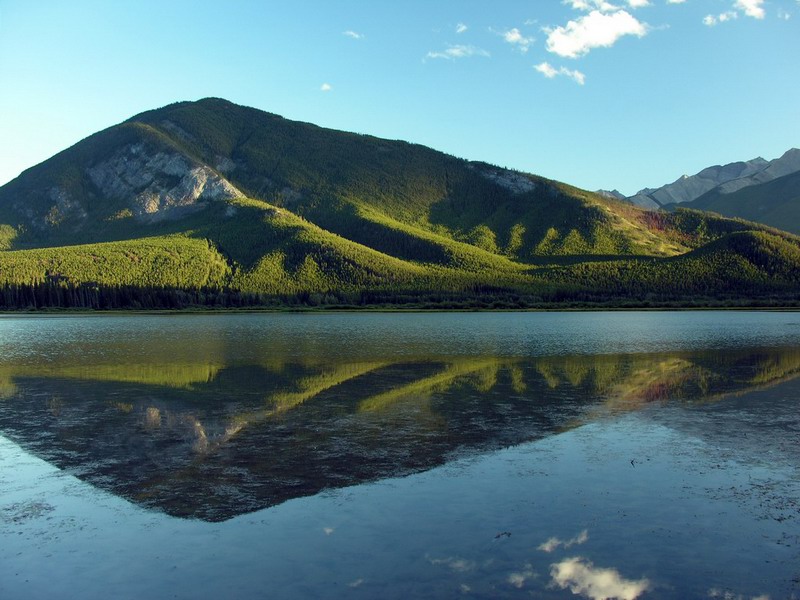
x=545, y=455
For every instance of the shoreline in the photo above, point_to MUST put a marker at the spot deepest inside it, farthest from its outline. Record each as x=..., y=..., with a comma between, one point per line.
x=55, y=312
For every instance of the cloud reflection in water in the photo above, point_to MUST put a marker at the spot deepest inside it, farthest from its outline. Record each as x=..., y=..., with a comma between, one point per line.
x=729, y=595
x=582, y=577
x=519, y=578
x=454, y=563
x=554, y=543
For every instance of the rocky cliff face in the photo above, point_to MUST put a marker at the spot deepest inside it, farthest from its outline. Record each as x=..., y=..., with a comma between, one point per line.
x=518, y=183
x=144, y=177
x=159, y=185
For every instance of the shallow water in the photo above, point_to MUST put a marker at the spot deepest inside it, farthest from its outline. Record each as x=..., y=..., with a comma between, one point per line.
x=395, y=455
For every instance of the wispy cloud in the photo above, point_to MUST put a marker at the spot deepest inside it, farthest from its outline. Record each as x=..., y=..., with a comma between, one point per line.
x=325, y=87
x=582, y=577
x=550, y=72
x=353, y=34
x=514, y=37
x=457, y=51
x=597, y=29
x=675, y=1
x=711, y=20
x=589, y=5
x=749, y=8
x=461, y=28
x=605, y=6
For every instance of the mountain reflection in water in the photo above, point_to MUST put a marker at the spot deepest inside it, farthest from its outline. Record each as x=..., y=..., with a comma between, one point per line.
x=210, y=440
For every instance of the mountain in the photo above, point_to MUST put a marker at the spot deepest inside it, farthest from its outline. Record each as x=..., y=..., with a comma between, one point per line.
x=208, y=202
x=775, y=203
x=615, y=194
x=719, y=180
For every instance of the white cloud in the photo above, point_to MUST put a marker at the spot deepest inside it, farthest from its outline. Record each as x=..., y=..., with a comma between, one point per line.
x=597, y=29
x=604, y=6
x=752, y=8
x=457, y=51
x=582, y=577
x=550, y=71
x=515, y=38
x=554, y=543
x=461, y=28
x=711, y=20
x=353, y=34
x=675, y=1
x=589, y=5
x=546, y=69
x=325, y=87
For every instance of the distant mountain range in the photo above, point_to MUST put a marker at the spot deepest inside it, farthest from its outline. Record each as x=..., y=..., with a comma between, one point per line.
x=758, y=190
x=211, y=203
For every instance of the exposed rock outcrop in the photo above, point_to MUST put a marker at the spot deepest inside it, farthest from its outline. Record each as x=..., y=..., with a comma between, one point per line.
x=159, y=185
x=64, y=207
x=511, y=180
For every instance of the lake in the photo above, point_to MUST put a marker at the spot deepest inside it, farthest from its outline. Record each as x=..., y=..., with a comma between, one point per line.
x=396, y=455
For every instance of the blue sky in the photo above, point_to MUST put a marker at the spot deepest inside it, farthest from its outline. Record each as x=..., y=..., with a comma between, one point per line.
x=596, y=93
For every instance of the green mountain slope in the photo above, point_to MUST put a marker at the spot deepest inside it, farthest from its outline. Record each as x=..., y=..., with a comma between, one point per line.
x=212, y=203
x=775, y=203
x=749, y=263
